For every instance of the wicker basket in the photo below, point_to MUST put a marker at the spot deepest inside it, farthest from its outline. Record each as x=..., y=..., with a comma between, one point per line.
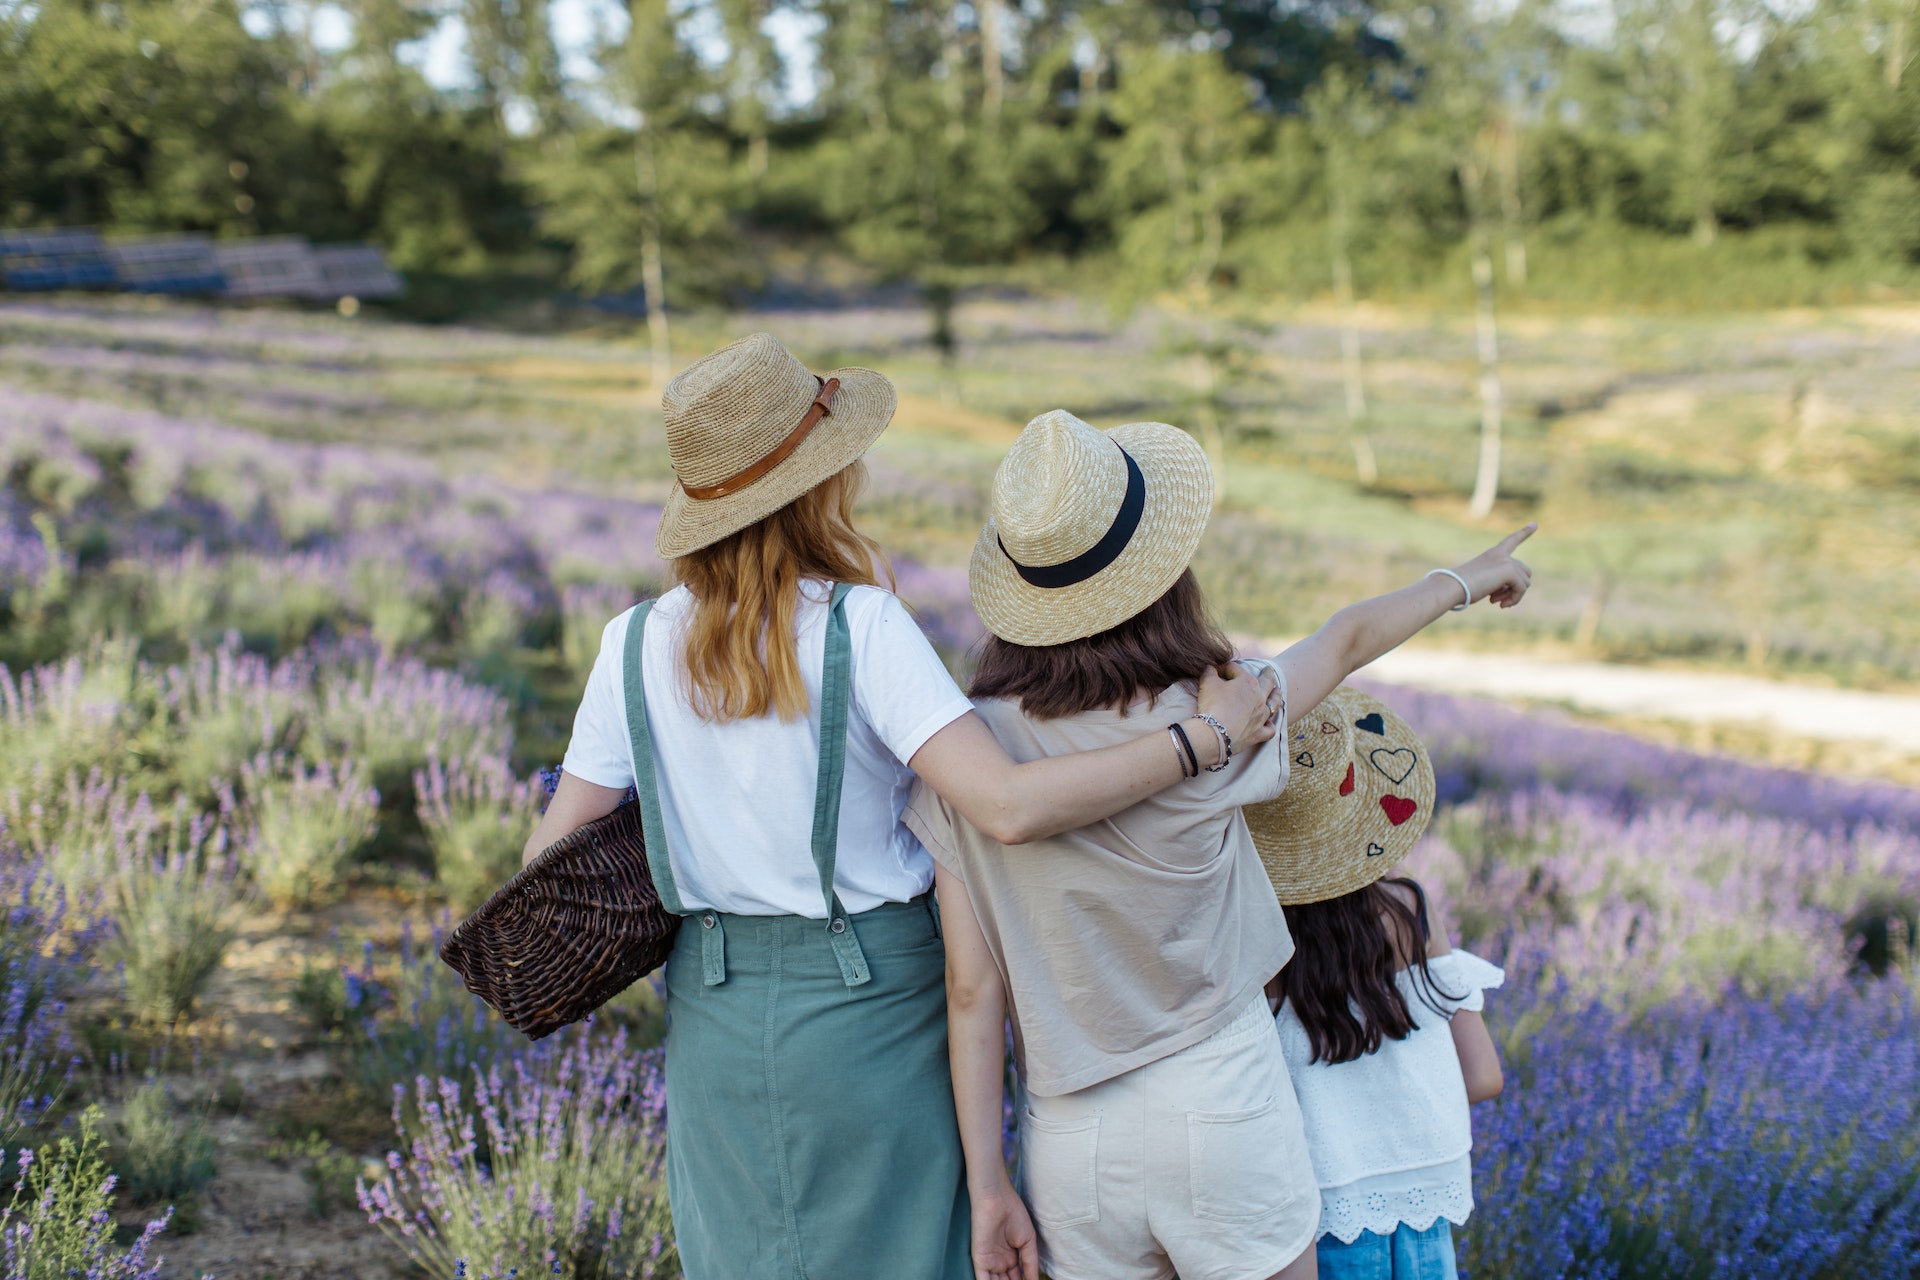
x=578, y=925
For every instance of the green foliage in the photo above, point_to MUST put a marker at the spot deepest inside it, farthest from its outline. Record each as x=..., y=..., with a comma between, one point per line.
x=163, y=1157
x=947, y=143
x=300, y=825
x=60, y=1223
x=174, y=911
x=330, y=1173
x=478, y=817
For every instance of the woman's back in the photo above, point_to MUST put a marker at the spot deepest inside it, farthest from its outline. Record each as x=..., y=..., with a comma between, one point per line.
x=1129, y=939
x=732, y=792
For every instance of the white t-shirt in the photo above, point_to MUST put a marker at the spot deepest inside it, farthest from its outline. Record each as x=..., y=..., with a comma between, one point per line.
x=737, y=798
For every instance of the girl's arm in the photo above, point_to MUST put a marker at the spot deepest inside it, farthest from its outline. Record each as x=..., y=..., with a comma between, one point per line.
x=1004, y=1244
x=1014, y=803
x=1479, y=1060
x=1361, y=632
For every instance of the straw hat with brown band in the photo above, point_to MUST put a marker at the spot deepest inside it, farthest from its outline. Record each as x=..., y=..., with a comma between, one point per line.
x=1359, y=794
x=750, y=428
x=1086, y=527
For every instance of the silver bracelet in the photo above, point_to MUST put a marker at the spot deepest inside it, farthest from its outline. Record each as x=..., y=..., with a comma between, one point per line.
x=1226, y=743
x=1463, y=586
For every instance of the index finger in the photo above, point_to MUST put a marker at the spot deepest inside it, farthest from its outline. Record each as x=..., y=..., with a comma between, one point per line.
x=1518, y=536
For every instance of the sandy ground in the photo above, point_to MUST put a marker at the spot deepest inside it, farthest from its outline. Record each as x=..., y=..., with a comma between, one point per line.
x=1803, y=711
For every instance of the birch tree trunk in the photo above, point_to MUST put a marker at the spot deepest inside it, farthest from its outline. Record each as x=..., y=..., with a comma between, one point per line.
x=1364, y=466
x=1896, y=42
x=1486, y=480
x=992, y=59
x=1512, y=215
x=652, y=274
x=1211, y=437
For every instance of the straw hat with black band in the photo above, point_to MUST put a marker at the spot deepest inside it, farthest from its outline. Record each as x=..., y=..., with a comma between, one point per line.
x=1359, y=794
x=1087, y=527
x=750, y=428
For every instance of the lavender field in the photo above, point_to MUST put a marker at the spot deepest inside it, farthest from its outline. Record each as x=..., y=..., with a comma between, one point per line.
x=290, y=628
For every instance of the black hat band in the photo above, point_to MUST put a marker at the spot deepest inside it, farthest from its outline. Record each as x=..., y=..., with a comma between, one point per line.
x=1103, y=552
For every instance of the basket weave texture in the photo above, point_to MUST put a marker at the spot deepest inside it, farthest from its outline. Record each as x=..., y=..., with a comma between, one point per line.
x=578, y=925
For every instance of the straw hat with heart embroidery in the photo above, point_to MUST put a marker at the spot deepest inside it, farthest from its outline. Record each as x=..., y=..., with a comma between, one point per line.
x=1359, y=794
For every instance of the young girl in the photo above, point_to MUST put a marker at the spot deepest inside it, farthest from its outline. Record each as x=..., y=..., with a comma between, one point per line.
x=1160, y=1133
x=1383, y=1092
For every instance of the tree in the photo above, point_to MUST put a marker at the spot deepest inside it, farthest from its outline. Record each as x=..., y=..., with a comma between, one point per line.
x=1345, y=116
x=1457, y=70
x=1186, y=165
x=629, y=198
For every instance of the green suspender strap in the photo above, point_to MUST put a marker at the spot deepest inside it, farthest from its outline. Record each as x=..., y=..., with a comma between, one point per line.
x=836, y=680
x=835, y=691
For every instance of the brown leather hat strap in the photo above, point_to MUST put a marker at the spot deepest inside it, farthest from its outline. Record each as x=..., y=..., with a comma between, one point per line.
x=822, y=407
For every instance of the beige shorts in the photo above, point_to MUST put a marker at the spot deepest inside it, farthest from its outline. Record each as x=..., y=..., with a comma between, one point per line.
x=1196, y=1164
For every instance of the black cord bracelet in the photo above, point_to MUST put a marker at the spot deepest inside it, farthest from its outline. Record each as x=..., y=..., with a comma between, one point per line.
x=1193, y=760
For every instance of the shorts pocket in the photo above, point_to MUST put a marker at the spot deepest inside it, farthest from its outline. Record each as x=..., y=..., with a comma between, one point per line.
x=1059, y=1164
x=1238, y=1164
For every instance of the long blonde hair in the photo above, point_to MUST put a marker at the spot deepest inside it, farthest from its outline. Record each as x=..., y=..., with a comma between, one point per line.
x=739, y=658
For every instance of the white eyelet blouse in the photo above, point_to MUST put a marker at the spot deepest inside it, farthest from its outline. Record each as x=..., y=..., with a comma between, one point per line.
x=1389, y=1132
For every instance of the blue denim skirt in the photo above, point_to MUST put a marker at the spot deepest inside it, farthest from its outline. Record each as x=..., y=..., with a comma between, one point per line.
x=1405, y=1255
x=810, y=1124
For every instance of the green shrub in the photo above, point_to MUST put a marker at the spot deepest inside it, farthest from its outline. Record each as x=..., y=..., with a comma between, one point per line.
x=173, y=912
x=477, y=816
x=60, y=1221
x=67, y=717
x=223, y=707
x=394, y=714
x=300, y=825
x=330, y=1173
x=164, y=1157
x=396, y=599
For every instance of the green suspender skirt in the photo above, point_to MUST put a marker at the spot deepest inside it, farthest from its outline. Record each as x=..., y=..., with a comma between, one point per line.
x=810, y=1121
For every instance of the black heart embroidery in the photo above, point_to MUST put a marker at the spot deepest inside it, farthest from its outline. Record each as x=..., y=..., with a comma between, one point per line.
x=1374, y=850
x=1304, y=759
x=1372, y=723
x=1402, y=759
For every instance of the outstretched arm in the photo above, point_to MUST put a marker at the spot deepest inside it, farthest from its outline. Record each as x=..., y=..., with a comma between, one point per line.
x=1004, y=1244
x=1014, y=803
x=1361, y=632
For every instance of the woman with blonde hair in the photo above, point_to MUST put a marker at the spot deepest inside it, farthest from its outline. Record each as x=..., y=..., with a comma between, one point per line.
x=772, y=711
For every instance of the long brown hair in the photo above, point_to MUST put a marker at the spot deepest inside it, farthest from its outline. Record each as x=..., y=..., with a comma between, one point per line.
x=1347, y=950
x=1170, y=640
x=739, y=656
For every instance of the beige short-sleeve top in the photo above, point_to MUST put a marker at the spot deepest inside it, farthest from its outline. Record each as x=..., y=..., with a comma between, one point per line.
x=1130, y=939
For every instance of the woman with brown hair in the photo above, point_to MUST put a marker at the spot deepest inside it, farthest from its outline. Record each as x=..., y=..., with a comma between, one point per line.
x=1161, y=1134
x=772, y=711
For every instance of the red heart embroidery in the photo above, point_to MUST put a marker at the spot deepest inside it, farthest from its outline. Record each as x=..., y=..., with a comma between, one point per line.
x=1398, y=808
x=1346, y=787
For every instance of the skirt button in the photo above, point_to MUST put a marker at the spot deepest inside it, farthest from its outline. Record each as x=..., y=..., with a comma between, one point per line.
x=838, y=925
x=708, y=920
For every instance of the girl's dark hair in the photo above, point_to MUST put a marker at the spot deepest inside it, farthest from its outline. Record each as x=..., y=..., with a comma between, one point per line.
x=1341, y=978
x=1170, y=640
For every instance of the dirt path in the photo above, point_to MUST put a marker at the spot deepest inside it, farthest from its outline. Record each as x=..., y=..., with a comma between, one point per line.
x=1803, y=711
